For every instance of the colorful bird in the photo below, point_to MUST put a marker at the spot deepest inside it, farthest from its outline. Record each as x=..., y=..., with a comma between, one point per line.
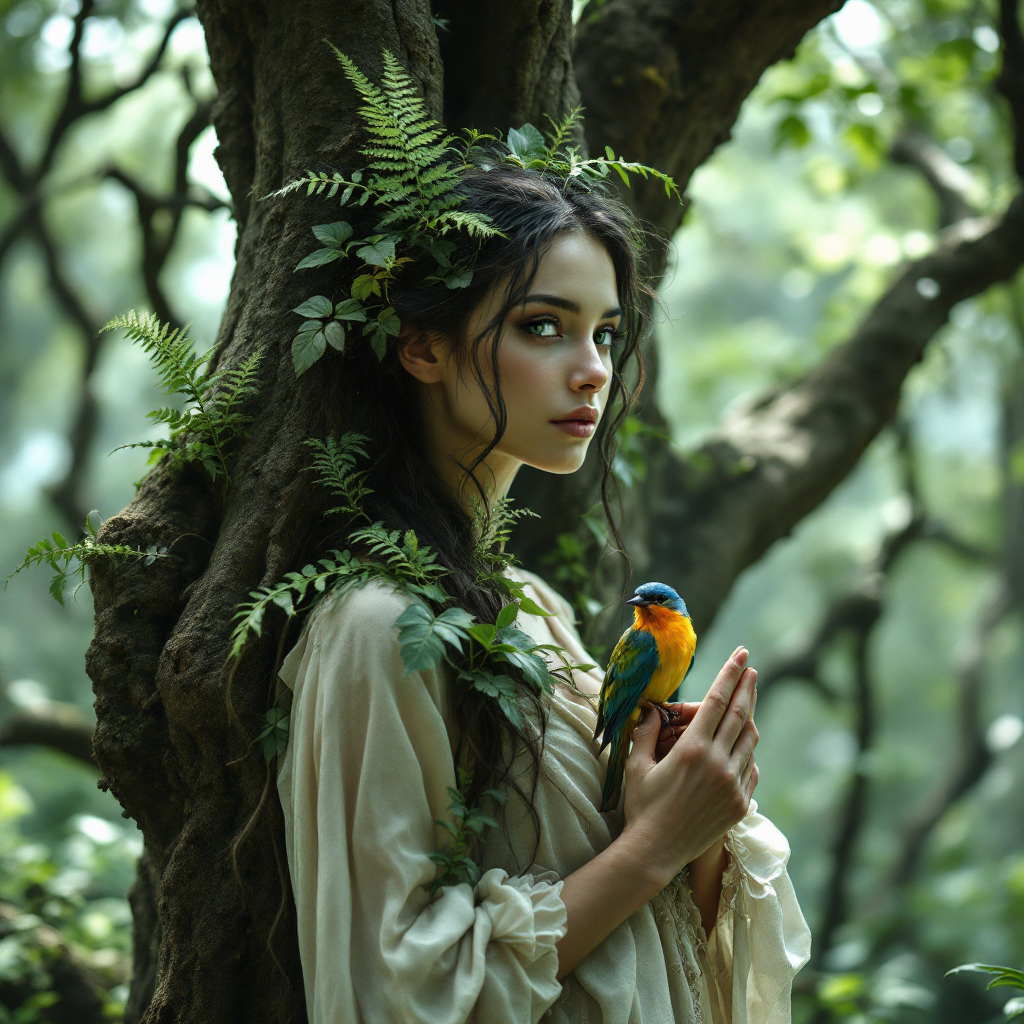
x=649, y=662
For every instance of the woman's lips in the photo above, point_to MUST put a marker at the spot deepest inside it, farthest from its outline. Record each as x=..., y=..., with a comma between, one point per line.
x=577, y=428
x=579, y=423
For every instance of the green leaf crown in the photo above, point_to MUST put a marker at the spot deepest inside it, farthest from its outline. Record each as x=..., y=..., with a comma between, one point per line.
x=413, y=176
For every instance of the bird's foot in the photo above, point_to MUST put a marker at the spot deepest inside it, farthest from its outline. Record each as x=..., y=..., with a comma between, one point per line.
x=668, y=715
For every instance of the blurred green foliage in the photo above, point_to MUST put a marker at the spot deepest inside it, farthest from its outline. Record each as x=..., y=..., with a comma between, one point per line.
x=798, y=224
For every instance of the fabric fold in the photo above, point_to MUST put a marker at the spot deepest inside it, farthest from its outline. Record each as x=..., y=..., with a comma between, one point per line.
x=526, y=914
x=760, y=940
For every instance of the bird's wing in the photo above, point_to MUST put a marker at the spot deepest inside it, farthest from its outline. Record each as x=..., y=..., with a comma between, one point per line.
x=629, y=671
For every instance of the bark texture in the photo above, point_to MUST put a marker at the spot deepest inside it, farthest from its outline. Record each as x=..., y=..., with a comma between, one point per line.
x=663, y=82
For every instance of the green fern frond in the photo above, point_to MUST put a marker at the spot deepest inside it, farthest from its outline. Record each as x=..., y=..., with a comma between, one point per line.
x=212, y=420
x=341, y=568
x=69, y=561
x=334, y=461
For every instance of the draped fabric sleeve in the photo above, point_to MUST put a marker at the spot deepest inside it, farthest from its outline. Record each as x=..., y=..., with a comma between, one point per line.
x=760, y=940
x=365, y=775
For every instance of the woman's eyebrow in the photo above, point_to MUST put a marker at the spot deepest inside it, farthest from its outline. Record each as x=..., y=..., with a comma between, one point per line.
x=567, y=304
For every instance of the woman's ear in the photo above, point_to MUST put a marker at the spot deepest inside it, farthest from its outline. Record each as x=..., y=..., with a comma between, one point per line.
x=419, y=352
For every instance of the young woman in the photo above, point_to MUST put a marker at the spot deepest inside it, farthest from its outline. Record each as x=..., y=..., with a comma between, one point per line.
x=677, y=907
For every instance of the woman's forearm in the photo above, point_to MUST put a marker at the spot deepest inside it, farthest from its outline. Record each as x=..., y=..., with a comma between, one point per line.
x=706, y=883
x=601, y=895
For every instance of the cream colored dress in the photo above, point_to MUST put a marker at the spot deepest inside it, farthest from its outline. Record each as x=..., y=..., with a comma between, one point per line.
x=365, y=775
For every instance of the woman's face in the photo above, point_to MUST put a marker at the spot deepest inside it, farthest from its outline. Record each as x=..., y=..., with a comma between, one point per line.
x=554, y=362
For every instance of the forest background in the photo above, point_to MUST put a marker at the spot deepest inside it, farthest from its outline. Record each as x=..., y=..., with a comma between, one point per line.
x=891, y=704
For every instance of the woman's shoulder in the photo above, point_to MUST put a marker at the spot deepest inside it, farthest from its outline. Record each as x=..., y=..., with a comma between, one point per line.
x=352, y=628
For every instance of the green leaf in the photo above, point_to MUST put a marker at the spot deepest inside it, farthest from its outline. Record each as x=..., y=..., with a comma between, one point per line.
x=420, y=647
x=507, y=616
x=316, y=305
x=364, y=286
x=377, y=254
x=307, y=348
x=441, y=249
x=319, y=258
x=335, y=235
x=378, y=339
x=530, y=607
x=349, y=309
x=459, y=279
x=527, y=143
x=483, y=633
x=389, y=322
x=334, y=333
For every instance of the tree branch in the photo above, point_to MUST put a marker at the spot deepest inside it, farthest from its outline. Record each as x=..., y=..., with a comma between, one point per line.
x=1010, y=81
x=75, y=107
x=57, y=726
x=663, y=80
x=771, y=464
x=951, y=183
x=854, y=811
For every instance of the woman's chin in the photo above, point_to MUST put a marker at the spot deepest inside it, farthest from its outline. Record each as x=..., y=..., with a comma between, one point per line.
x=560, y=463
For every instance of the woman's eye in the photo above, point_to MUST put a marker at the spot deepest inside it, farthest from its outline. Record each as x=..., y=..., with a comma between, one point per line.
x=542, y=329
x=607, y=336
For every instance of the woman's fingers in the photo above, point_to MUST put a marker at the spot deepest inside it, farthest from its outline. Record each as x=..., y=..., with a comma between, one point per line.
x=743, y=748
x=685, y=710
x=751, y=783
x=748, y=769
x=714, y=706
x=737, y=714
x=645, y=737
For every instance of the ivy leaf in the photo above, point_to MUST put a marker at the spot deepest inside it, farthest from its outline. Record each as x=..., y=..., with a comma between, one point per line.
x=530, y=607
x=335, y=235
x=422, y=635
x=389, y=321
x=316, y=305
x=320, y=258
x=507, y=616
x=378, y=339
x=308, y=347
x=459, y=278
x=527, y=143
x=377, y=254
x=334, y=333
x=441, y=249
x=364, y=286
x=349, y=309
x=483, y=633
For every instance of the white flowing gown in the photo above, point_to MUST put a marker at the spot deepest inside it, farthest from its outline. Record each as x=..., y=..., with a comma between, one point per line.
x=366, y=774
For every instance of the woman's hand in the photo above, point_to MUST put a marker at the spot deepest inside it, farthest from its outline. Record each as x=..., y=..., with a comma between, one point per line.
x=670, y=733
x=677, y=807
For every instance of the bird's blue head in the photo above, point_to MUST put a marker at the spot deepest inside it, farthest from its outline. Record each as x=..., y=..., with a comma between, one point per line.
x=658, y=594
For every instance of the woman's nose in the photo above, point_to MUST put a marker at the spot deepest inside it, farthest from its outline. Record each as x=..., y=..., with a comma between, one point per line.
x=590, y=373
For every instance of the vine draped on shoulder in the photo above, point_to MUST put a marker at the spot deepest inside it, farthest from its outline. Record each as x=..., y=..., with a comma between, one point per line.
x=364, y=777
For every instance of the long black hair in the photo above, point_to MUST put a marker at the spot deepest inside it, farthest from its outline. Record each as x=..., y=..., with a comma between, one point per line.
x=378, y=398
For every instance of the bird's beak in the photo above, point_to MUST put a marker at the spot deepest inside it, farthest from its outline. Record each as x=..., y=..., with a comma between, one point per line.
x=638, y=602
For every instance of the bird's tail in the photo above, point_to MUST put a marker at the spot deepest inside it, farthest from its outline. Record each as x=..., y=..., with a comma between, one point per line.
x=616, y=768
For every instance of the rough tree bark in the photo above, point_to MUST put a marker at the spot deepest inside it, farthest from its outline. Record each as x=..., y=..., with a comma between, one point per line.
x=663, y=82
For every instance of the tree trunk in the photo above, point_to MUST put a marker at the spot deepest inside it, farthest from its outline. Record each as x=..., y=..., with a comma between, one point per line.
x=663, y=82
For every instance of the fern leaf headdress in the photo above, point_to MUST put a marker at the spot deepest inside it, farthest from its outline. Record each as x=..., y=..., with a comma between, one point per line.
x=413, y=175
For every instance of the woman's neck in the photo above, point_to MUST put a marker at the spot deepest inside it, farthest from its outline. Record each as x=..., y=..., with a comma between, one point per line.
x=452, y=453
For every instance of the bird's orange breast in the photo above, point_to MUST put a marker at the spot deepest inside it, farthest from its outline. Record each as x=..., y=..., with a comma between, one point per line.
x=676, y=644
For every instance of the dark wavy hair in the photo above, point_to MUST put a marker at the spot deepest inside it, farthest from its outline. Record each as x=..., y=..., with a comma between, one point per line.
x=379, y=399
